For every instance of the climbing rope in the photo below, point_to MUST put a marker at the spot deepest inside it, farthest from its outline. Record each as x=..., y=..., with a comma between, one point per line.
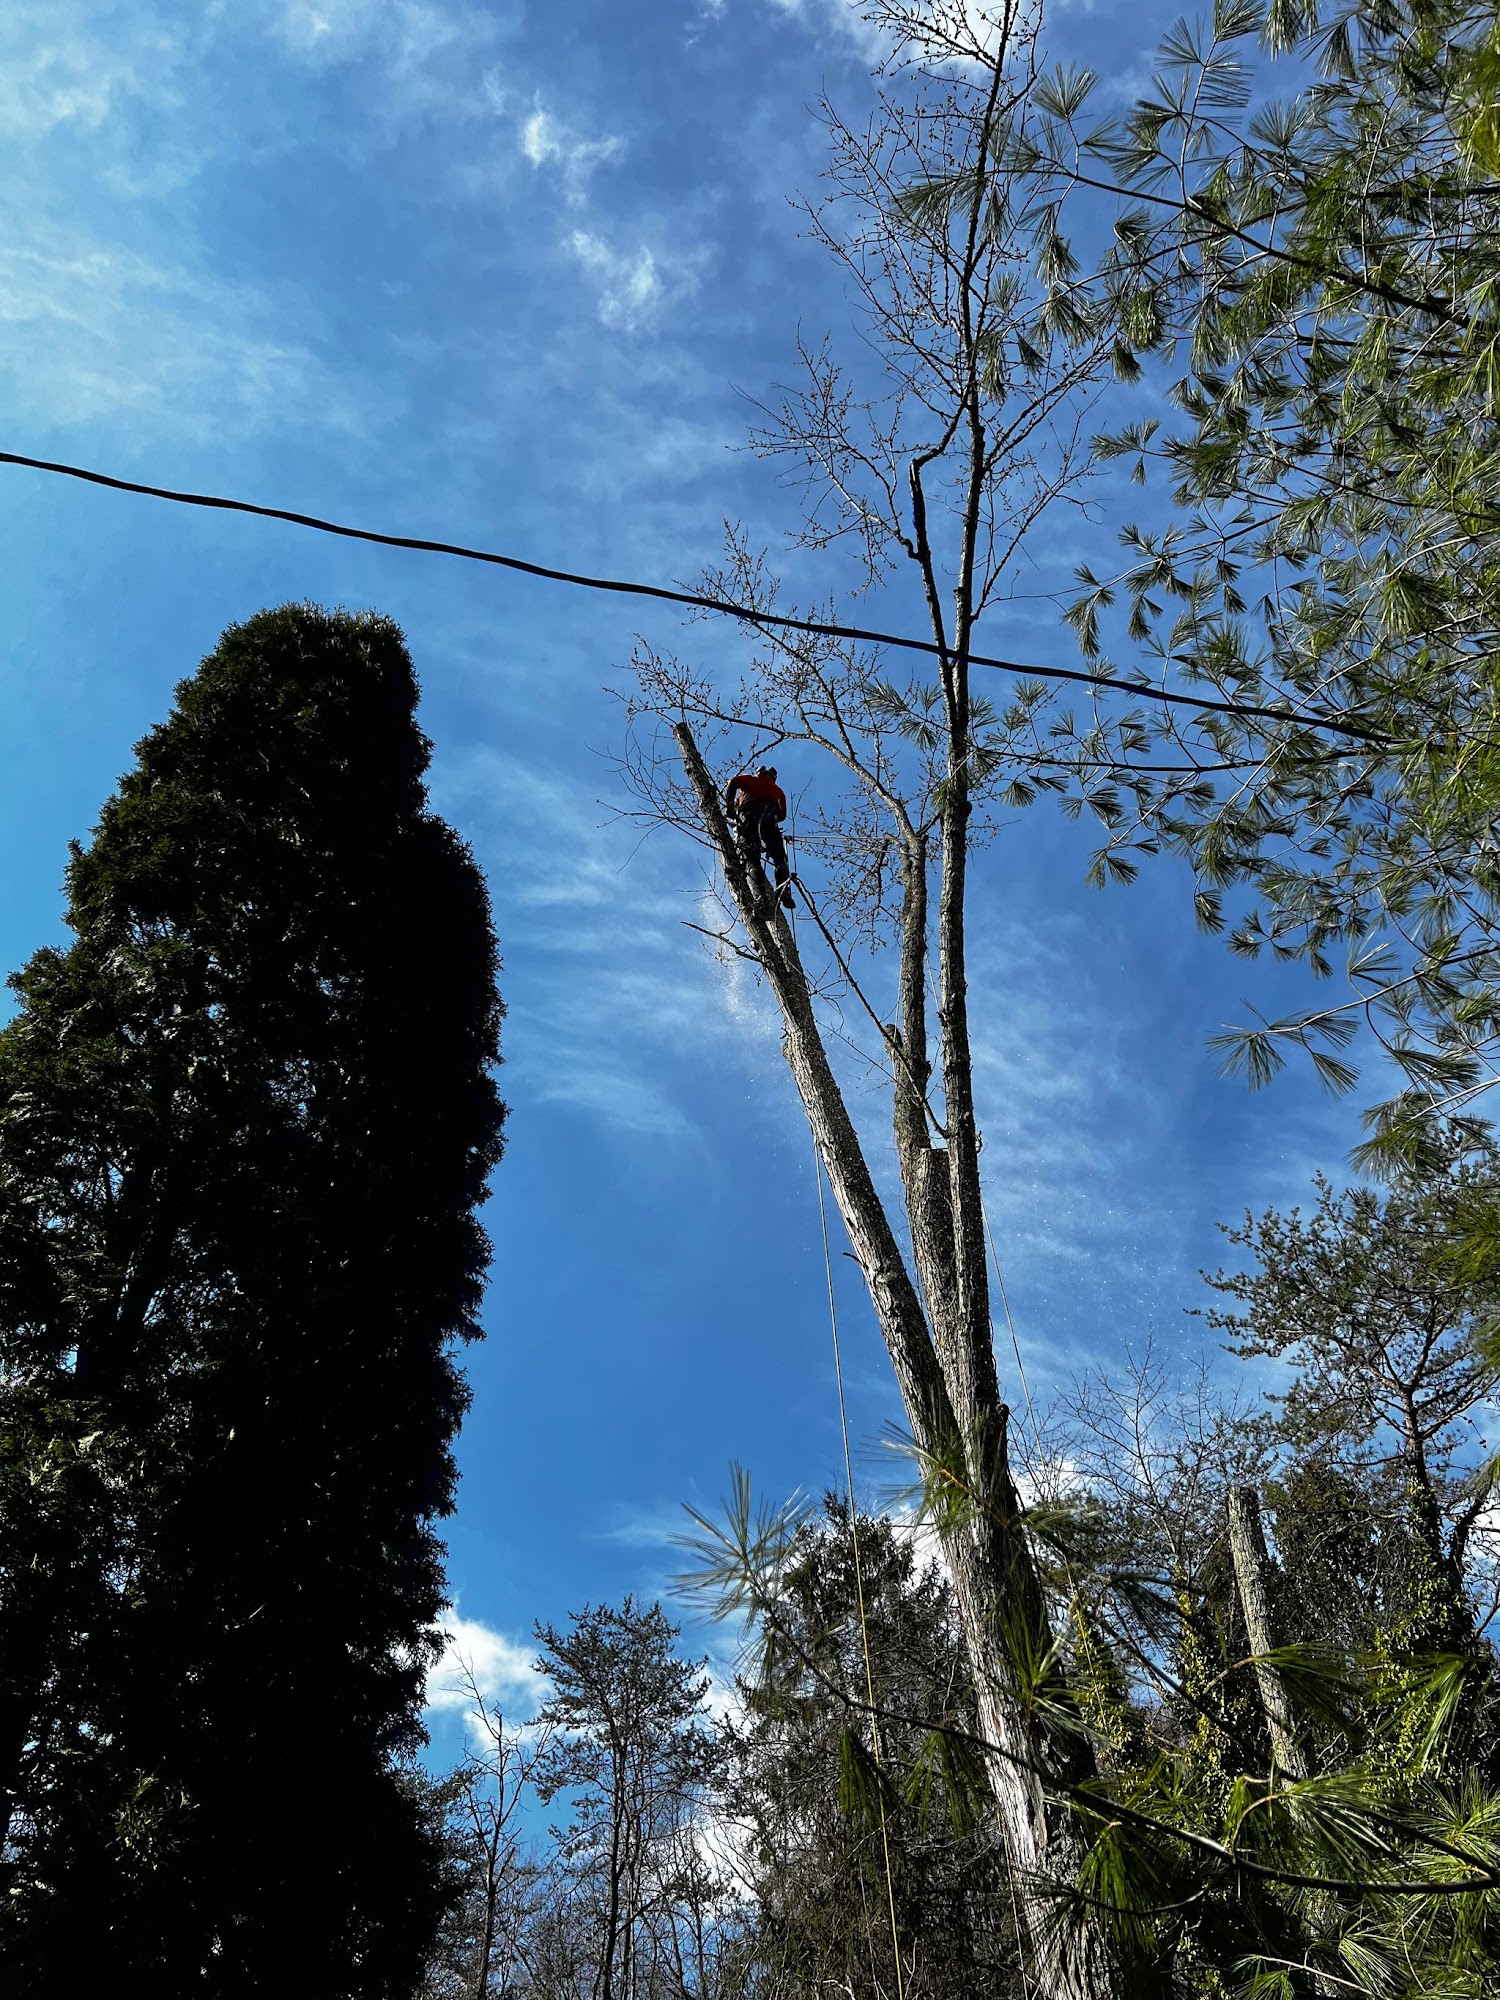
x=1027, y=1972
x=859, y=1575
x=859, y=1580
x=1015, y=1344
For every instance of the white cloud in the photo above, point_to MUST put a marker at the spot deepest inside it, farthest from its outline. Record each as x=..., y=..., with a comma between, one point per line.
x=869, y=29
x=548, y=142
x=55, y=72
x=629, y=284
x=539, y=138
x=413, y=38
x=842, y=20
x=498, y=1667
x=650, y=1528
x=318, y=25
x=124, y=314
x=1126, y=85
x=920, y=1531
x=615, y=989
x=426, y=62
x=60, y=67
x=77, y=91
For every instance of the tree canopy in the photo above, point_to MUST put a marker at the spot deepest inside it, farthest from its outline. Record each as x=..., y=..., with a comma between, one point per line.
x=246, y=1120
x=1301, y=218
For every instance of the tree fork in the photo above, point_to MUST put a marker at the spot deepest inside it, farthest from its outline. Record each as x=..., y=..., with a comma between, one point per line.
x=879, y=1256
x=952, y=1409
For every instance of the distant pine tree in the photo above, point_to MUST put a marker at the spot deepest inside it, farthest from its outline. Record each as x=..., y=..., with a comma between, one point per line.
x=245, y=1123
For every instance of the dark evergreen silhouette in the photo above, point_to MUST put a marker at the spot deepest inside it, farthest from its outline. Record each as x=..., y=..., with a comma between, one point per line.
x=245, y=1122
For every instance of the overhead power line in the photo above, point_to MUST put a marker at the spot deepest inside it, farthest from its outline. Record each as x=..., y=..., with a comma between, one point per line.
x=694, y=600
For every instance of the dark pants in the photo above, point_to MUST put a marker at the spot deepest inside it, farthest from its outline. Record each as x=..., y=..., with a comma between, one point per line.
x=760, y=833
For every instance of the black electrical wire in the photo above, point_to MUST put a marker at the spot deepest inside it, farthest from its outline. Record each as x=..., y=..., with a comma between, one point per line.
x=693, y=599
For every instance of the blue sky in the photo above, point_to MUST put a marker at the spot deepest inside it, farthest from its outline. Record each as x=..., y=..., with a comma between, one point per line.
x=507, y=274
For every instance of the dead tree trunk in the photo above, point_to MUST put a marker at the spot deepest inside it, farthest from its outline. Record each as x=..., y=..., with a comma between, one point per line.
x=944, y=1365
x=1256, y=1579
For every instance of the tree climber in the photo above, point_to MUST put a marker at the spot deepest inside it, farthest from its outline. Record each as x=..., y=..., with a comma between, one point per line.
x=758, y=805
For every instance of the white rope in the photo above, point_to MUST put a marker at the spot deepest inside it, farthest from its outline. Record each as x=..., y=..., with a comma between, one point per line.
x=859, y=1581
x=859, y=1577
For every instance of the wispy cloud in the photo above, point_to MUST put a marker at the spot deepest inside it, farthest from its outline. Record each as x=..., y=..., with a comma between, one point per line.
x=632, y=280
x=90, y=328
x=647, y=1527
x=616, y=1009
x=130, y=312
x=866, y=28
x=73, y=66
x=57, y=72
x=629, y=284
x=430, y=56
x=1059, y=1108
x=847, y=21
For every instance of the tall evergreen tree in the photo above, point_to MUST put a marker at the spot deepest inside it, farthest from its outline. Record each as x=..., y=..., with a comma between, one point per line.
x=245, y=1122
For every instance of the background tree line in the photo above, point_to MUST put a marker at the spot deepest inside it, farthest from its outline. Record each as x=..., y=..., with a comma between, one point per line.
x=740, y=1849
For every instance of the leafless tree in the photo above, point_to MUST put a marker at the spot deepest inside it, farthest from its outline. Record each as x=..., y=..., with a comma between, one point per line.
x=633, y=1757
x=487, y=1955
x=951, y=439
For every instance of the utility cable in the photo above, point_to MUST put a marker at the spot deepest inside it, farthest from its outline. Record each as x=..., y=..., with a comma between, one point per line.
x=694, y=600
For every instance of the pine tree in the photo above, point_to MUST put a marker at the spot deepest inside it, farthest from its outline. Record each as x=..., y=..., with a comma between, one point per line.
x=246, y=1119
x=632, y=1755
x=1314, y=278
x=1363, y=1297
x=820, y=1820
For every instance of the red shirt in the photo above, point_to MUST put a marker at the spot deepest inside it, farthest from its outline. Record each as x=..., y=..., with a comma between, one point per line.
x=759, y=791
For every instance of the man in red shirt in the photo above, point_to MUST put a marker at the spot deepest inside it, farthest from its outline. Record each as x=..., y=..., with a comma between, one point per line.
x=758, y=805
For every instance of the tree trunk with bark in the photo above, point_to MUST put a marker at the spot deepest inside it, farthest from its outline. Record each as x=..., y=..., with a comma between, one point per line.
x=937, y=1332
x=1255, y=1576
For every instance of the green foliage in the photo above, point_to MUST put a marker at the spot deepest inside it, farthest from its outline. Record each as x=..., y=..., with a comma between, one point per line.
x=246, y=1119
x=1376, y=1871
x=821, y=1812
x=1364, y=1298
x=1383, y=1585
x=1315, y=281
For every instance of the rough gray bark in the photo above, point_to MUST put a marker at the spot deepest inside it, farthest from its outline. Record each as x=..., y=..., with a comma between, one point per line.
x=944, y=1364
x=1255, y=1576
